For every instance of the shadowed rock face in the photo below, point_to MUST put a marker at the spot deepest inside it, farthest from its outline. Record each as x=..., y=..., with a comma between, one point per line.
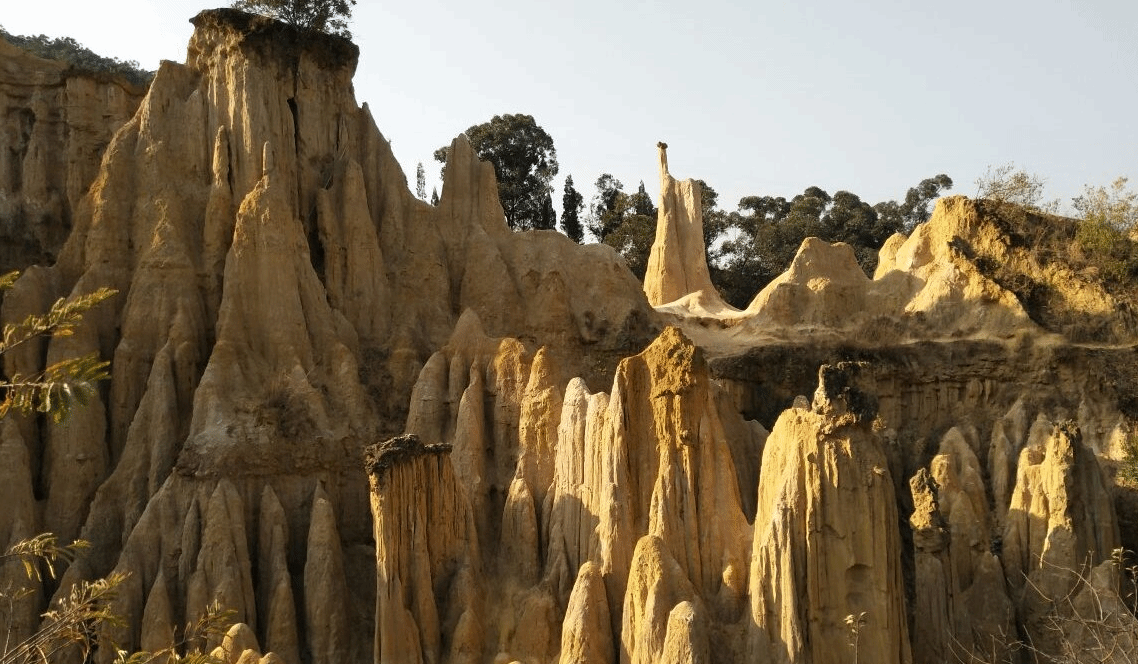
x=575, y=481
x=55, y=124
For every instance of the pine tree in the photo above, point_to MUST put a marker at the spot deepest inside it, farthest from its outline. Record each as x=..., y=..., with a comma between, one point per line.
x=547, y=220
x=420, y=182
x=572, y=202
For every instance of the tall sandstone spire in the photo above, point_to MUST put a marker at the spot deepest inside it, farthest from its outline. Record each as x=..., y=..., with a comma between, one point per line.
x=677, y=265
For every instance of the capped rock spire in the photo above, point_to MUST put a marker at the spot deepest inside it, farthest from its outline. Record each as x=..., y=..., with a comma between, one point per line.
x=677, y=266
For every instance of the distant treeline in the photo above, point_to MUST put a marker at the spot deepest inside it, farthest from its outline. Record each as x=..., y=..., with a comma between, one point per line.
x=79, y=57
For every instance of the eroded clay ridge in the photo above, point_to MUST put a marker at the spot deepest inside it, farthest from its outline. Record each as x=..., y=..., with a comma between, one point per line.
x=56, y=124
x=583, y=478
x=280, y=290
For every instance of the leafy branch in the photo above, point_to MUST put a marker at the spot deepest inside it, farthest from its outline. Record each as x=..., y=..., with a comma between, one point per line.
x=43, y=547
x=78, y=618
x=57, y=388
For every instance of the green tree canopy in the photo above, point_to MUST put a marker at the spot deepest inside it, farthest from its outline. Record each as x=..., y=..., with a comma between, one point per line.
x=525, y=163
x=610, y=203
x=331, y=16
x=547, y=220
x=572, y=202
x=637, y=229
x=756, y=243
x=68, y=50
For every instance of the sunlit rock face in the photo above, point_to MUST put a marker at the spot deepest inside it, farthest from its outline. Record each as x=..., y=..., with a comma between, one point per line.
x=609, y=525
x=677, y=264
x=280, y=291
x=826, y=543
x=380, y=430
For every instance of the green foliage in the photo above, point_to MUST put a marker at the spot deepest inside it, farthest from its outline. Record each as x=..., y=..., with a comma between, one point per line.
x=525, y=163
x=715, y=221
x=330, y=16
x=572, y=202
x=1116, y=207
x=626, y=222
x=610, y=204
x=56, y=389
x=1107, y=249
x=1128, y=467
x=547, y=220
x=750, y=247
x=915, y=210
x=81, y=58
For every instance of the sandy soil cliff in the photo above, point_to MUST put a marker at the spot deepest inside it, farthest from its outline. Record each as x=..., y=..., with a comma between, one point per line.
x=384, y=431
x=55, y=124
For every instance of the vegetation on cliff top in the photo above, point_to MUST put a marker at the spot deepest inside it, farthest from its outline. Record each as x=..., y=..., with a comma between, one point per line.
x=330, y=16
x=1074, y=275
x=81, y=58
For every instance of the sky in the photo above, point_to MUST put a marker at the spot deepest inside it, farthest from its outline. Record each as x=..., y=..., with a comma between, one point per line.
x=755, y=97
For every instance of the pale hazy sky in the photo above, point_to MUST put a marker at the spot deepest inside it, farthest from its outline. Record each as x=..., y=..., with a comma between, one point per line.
x=753, y=97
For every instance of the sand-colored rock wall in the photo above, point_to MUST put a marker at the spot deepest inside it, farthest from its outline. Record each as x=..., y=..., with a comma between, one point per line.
x=55, y=125
x=578, y=482
x=280, y=290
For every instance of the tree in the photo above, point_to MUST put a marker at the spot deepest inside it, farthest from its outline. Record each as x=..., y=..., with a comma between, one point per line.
x=1116, y=207
x=1105, y=234
x=1006, y=184
x=715, y=221
x=806, y=211
x=762, y=237
x=917, y=200
x=435, y=196
x=547, y=220
x=572, y=202
x=330, y=16
x=637, y=229
x=525, y=163
x=78, y=56
x=608, y=207
x=420, y=182
x=633, y=240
